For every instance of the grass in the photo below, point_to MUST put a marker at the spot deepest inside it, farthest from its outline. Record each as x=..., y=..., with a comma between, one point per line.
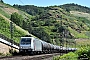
x=77, y=34
x=81, y=14
x=82, y=42
x=87, y=33
x=6, y=10
x=4, y=13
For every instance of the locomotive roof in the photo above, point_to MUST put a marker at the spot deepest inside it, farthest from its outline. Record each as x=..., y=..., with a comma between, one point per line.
x=26, y=37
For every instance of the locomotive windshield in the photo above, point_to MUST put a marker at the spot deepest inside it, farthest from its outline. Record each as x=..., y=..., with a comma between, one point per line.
x=25, y=41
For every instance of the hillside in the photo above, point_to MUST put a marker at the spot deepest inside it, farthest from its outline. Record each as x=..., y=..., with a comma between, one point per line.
x=5, y=14
x=75, y=7
x=50, y=22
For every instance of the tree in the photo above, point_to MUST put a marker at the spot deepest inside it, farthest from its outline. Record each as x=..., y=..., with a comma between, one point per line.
x=68, y=10
x=24, y=24
x=40, y=33
x=29, y=27
x=16, y=18
x=61, y=29
x=1, y=1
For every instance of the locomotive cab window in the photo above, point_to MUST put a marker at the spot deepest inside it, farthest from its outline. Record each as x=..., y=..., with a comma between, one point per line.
x=26, y=41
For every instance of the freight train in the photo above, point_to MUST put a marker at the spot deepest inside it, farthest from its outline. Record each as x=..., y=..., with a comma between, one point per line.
x=34, y=45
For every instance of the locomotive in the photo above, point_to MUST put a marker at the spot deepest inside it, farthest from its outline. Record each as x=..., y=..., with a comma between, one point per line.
x=34, y=45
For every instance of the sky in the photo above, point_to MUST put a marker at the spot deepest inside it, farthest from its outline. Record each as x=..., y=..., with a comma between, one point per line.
x=45, y=3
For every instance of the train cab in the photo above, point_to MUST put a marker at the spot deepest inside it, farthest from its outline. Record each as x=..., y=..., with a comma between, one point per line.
x=25, y=44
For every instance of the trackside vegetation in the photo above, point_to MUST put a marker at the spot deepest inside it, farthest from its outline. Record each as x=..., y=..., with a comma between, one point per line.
x=83, y=52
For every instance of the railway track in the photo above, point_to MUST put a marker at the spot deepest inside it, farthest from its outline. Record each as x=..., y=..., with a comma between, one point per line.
x=27, y=57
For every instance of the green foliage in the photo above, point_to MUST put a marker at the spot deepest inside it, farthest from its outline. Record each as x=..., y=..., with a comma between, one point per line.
x=69, y=56
x=5, y=30
x=1, y=54
x=46, y=17
x=50, y=19
x=40, y=33
x=87, y=33
x=12, y=52
x=46, y=25
x=16, y=18
x=82, y=50
x=8, y=54
x=85, y=21
x=1, y=1
x=75, y=7
x=81, y=54
x=77, y=34
x=4, y=13
x=30, y=9
x=61, y=29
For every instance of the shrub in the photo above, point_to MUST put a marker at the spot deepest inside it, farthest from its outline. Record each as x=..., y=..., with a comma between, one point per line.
x=1, y=54
x=69, y=56
x=83, y=52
